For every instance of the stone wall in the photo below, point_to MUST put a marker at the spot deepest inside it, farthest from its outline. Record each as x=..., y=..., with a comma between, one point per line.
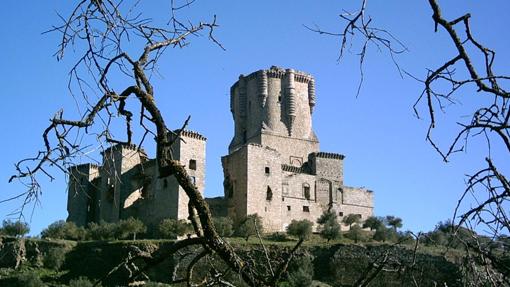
x=264, y=195
x=128, y=185
x=191, y=153
x=117, y=160
x=80, y=191
x=235, y=183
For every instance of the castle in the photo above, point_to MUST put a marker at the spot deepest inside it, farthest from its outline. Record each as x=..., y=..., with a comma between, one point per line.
x=128, y=185
x=274, y=166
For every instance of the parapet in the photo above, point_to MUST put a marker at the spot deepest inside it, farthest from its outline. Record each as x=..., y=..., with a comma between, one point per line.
x=329, y=155
x=78, y=167
x=295, y=169
x=192, y=134
x=115, y=147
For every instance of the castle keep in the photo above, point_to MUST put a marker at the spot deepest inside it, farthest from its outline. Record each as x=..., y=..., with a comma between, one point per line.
x=274, y=166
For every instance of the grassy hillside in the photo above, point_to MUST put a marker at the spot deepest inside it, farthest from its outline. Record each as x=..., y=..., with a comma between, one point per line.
x=339, y=263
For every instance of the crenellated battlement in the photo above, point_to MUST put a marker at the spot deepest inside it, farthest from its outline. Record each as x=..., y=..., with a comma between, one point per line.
x=192, y=134
x=329, y=155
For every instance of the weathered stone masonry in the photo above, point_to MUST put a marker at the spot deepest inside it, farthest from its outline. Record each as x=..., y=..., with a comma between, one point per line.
x=274, y=167
x=128, y=185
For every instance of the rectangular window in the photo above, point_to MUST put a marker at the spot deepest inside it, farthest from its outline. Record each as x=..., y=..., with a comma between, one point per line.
x=192, y=164
x=306, y=208
x=341, y=213
x=267, y=170
x=288, y=207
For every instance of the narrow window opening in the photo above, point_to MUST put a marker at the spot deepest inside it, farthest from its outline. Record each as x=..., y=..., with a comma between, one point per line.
x=265, y=209
x=110, y=193
x=288, y=207
x=269, y=193
x=192, y=164
x=145, y=187
x=341, y=213
x=306, y=191
x=245, y=137
x=306, y=208
x=267, y=170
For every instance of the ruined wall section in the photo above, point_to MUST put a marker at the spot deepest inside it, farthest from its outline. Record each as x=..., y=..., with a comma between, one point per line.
x=235, y=183
x=117, y=160
x=264, y=195
x=357, y=201
x=190, y=151
x=327, y=165
x=149, y=197
x=81, y=193
x=299, y=197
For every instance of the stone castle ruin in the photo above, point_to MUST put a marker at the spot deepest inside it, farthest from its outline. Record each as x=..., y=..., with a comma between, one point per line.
x=128, y=185
x=274, y=167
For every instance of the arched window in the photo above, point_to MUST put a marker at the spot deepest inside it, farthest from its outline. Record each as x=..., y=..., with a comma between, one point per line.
x=306, y=191
x=269, y=194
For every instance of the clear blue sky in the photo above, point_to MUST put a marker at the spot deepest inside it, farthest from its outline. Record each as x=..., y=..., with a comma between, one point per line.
x=383, y=141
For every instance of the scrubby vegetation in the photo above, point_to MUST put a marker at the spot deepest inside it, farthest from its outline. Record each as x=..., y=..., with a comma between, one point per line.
x=302, y=229
x=14, y=228
x=172, y=228
x=50, y=262
x=329, y=228
x=224, y=226
x=250, y=226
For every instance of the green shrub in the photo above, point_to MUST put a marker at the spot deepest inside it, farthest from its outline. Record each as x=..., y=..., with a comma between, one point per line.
x=101, y=231
x=300, y=273
x=224, y=226
x=131, y=226
x=278, y=236
x=14, y=228
x=155, y=284
x=82, y=282
x=373, y=222
x=171, y=228
x=29, y=279
x=329, y=227
x=301, y=229
x=249, y=226
x=356, y=233
x=381, y=234
x=64, y=230
x=351, y=219
x=55, y=258
x=394, y=222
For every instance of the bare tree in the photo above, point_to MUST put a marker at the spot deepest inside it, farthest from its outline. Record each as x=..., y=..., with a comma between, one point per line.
x=118, y=53
x=471, y=67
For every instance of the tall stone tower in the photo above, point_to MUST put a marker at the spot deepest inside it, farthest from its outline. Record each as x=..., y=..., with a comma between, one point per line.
x=274, y=167
x=274, y=108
